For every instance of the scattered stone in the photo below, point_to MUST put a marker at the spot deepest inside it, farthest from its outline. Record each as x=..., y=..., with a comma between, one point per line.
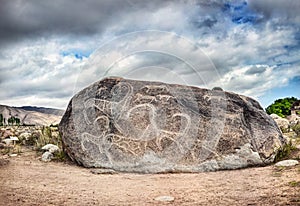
x=103, y=171
x=25, y=135
x=47, y=157
x=13, y=155
x=6, y=133
x=5, y=146
x=14, y=139
x=153, y=127
x=51, y=148
x=286, y=163
x=164, y=198
x=3, y=162
x=8, y=141
x=294, y=119
x=2, y=146
x=295, y=108
x=281, y=122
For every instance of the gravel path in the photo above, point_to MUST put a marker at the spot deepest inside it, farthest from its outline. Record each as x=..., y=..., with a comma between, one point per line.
x=25, y=180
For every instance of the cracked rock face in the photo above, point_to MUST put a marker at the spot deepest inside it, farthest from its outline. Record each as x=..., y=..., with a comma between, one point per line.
x=151, y=127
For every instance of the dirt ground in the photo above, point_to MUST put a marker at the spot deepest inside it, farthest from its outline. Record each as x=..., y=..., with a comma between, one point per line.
x=25, y=180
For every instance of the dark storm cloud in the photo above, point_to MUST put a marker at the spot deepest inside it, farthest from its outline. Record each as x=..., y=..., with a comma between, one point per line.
x=255, y=70
x=44, y=44
x=287, y=11
x=20, y=19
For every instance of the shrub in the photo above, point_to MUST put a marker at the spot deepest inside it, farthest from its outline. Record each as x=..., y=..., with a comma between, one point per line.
x=47, y=136
x=296, y=129
x=284, y=130
x=33, y=138
x=60, y=156
x=284, y=151
x=294, y=183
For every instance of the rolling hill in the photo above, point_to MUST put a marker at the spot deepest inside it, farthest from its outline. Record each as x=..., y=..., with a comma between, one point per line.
x=44, y=110
x=32, y=115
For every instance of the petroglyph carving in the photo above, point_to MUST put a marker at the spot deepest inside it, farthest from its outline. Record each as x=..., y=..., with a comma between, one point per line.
x=156, y=89
x=155, y=127
x=87, y=139
x=133, y=137
x=164, y=97
x=132, y=132
x=140, y=99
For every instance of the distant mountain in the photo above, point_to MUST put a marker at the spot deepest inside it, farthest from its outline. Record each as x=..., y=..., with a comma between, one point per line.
x=44, y=110
x=32, y=115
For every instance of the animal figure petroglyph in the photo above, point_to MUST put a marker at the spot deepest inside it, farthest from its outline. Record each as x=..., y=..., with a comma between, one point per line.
x=164, y=97
x=114, y=108
x=157, y=89
x=144, y=98
x=133, y=138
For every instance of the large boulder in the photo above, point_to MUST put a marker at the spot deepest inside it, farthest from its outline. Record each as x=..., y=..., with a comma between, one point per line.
x=150, y=127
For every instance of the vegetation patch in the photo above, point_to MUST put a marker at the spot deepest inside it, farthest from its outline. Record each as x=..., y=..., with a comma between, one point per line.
x=294, y=183
x=60, y=156
x=48, y=135
x=281, y=107
x=10, y=121
x=284, y=152
x=34, y=138
x=296, y=129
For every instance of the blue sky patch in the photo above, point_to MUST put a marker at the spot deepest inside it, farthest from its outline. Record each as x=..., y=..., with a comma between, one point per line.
x=240, y=13
x=290, y=90
x=76, y=53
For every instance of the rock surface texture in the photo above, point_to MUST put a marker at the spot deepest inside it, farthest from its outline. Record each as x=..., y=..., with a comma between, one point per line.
x=151, y=127
x=281, y=122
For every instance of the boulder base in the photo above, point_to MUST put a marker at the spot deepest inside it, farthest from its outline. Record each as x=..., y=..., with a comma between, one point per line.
x=152, y=127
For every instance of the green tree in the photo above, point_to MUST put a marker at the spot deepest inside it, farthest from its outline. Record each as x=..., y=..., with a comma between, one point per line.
x=17, y=120
x=9, y=121
x=13, y=121
x=1, y=119
x=281, y=107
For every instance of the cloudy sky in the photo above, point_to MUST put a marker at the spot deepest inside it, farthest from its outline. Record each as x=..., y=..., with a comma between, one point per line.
x=49, y=50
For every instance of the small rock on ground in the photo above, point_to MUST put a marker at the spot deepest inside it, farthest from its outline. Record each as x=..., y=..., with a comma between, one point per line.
x=50, y=148
x=3, y=162
x=103, y=171
x=47, y=157
x=8, y=141
x=286, y=163
x=3, y=146
x=164, y=198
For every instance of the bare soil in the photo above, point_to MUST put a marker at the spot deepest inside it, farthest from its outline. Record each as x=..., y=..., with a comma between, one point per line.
x=25, y=180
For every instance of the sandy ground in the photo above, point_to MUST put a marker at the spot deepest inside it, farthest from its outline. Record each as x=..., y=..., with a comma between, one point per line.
x=25, y=180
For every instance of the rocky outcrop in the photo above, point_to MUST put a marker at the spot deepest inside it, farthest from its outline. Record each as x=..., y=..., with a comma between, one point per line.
x=293, y=120
x=282, y=123
x=150, y=127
